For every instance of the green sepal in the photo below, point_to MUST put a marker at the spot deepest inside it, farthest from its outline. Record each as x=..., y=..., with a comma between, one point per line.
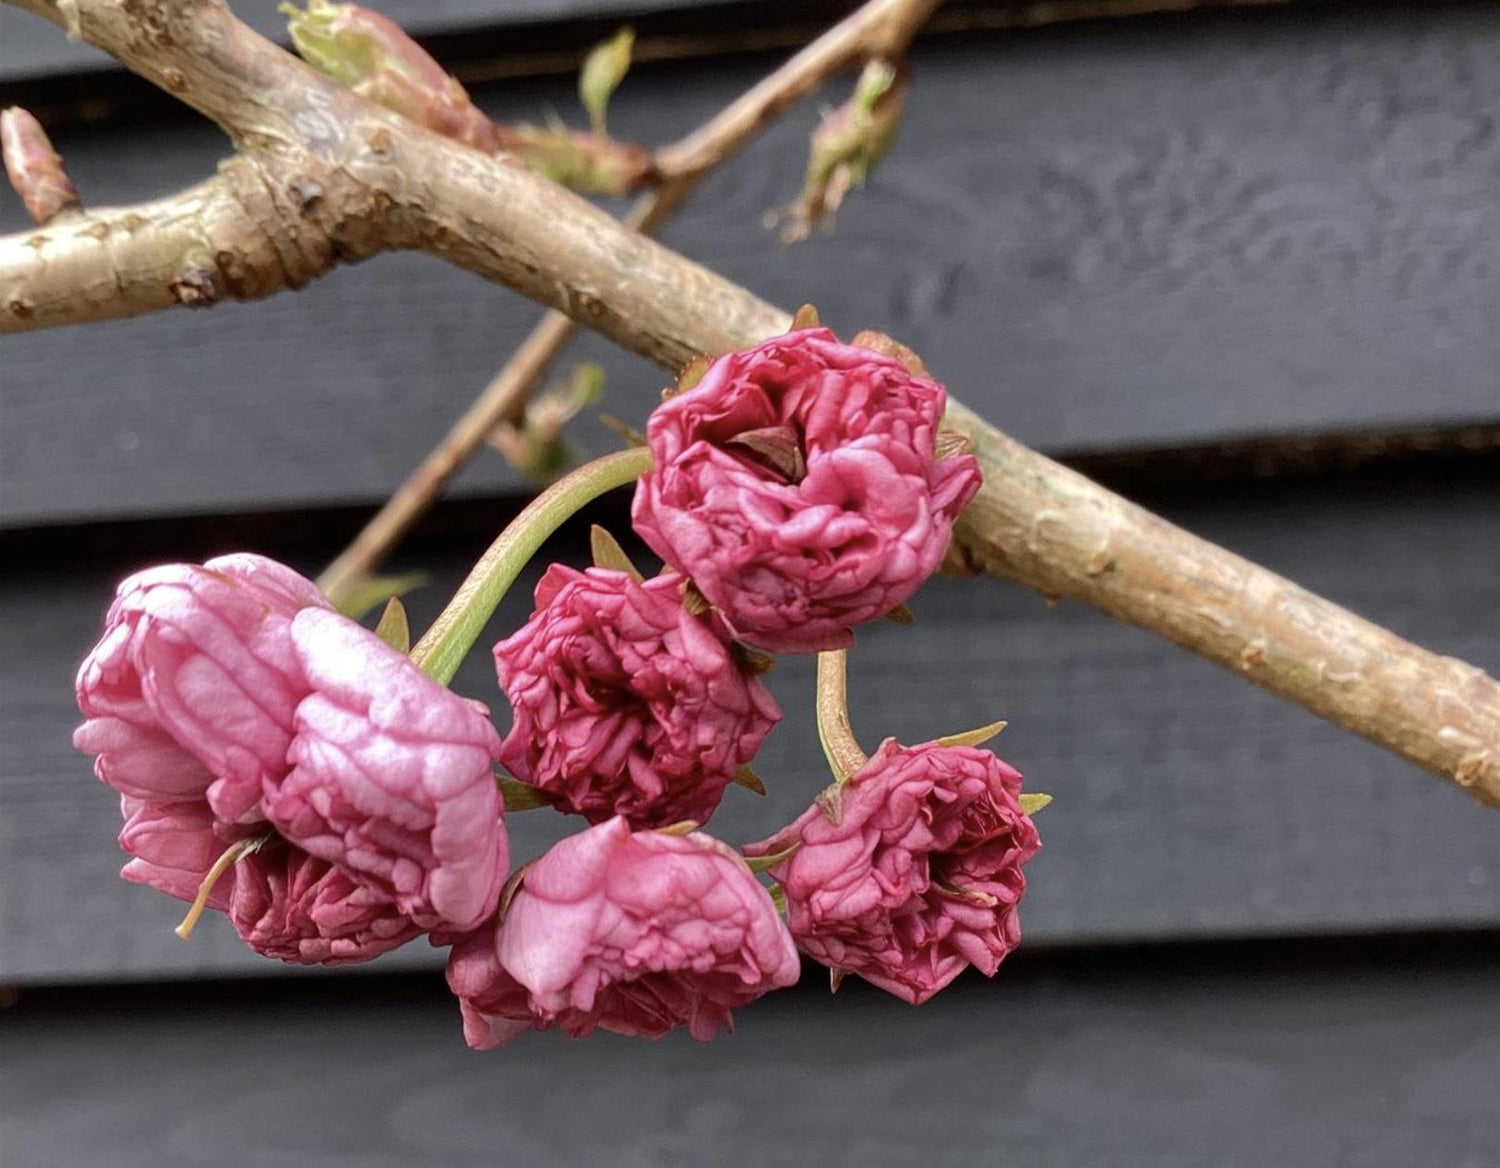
x=359, y=596
x=394, y=628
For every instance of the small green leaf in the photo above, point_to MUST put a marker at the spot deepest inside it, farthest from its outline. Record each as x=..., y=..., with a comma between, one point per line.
x=393, y=628
x=766, y=863
x=519, y=796
x=604, y=69
x=901, y=615
x=681, y=827
x=360, y=596
x=745, y=777
x=975, y=737
x=1034, y=801
x=692, y=373
x=778, y=897
x=609, y=554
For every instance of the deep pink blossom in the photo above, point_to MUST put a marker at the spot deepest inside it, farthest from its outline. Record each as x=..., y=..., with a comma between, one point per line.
x=303, y=910
x=625, y=703
x=798, y=485
x=196, y=663
x=919, y=877
x=282, y=901
x=630, y=932
x=392, y=777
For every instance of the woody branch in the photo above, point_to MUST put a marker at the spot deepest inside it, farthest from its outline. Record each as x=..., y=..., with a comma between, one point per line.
x=342, y=179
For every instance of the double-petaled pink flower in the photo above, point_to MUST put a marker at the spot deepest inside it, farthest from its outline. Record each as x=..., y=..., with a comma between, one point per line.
x=392, y=777
x=630, y=932
x=798, y=486
x=192, y=689
x=625, y=703
x=916, y=875
x=283, y=902
x=225, y=696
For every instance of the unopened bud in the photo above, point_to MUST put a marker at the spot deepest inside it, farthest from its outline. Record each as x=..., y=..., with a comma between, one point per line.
x=370, y=54
x=535, y=445
x=586, y=162
x=845, y=149
x=33, y=167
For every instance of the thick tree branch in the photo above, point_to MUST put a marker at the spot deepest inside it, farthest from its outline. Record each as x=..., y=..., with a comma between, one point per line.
x=883, y=27
x=381, y=182
x=231, y=237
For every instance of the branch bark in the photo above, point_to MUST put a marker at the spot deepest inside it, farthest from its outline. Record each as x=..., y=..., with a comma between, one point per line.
x=879, y=27
x=382, y=182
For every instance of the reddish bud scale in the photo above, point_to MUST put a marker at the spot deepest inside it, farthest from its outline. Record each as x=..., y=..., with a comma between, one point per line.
x=34, y=168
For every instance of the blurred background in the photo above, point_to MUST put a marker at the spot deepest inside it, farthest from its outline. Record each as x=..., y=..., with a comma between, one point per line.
x=1241, y=263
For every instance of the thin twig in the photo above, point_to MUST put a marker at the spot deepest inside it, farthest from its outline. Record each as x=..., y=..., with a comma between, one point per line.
x=370, y=181
x=881, y=27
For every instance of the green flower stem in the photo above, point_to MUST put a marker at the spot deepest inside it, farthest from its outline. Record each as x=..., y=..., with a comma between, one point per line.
x=834, y=732
x=444, y=646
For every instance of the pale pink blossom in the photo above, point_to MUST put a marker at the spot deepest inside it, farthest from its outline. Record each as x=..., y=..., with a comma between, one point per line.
x=199, y=657
x=630, y=932
x=392, y=777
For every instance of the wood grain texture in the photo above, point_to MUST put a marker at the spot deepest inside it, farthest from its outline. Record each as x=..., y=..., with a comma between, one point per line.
x=1375, y=1055
x=32, y=49
x=1152, y=233
x=1187, y=804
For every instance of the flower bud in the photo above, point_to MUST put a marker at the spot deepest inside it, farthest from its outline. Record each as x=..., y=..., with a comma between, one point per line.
x=33, y=167
x=846, y=147
x=370, y=54
x=586, y=162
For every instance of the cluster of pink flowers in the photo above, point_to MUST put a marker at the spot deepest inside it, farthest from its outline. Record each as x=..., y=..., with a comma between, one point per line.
x=280, y=763
x=229, y=702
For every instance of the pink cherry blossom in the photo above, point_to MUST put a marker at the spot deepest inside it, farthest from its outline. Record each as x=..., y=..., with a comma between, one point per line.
x=630, y=932
x=919, y=874
x=798, y=486
x=282, y=901
x=392, y=777
x=305, y=911
x=625, y=703
x=172, y=846
x=196, y=663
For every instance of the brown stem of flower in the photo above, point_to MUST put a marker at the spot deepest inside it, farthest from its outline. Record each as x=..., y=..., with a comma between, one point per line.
x=883, y=27
x=228, y=858
x=339, y=177
x=842, y=749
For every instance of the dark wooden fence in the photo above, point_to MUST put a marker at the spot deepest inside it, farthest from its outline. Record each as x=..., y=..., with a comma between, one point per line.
x=1242, y=263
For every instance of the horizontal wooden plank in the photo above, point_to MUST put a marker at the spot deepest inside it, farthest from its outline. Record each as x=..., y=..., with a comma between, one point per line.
x=1102, y=238
x=1379, y=1055
x=1188, y=803
x=34, y=48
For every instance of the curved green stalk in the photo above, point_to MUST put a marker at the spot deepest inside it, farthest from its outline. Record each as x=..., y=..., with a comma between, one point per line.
x=444, y=646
